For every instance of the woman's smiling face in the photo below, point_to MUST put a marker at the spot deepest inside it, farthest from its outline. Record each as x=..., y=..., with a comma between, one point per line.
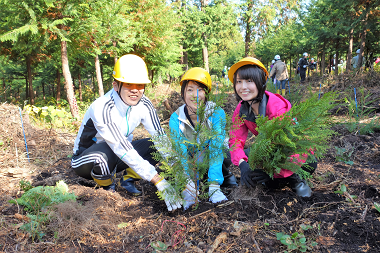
x=246, y=88
x=192, y=92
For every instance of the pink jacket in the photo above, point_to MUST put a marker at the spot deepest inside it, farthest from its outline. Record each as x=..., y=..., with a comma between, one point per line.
x=276, y=106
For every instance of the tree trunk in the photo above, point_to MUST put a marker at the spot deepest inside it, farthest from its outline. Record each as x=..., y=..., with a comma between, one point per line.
x=93, y=86
x=330, y=65
x=323, y=63
x=29, y=69
x=349, y=52
x=58, y=85
x=80, y=87
x=115, y=58
x=68, y=82
x=43, y=90
x=363, y=37
x=247, y=40
x=184, y=61
x=99, y=76
x=4, y=90
x=26, y=88
x=337, y=58
x=205, y=58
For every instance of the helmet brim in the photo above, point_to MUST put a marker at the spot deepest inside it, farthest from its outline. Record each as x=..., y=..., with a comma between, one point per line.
x=241, y=63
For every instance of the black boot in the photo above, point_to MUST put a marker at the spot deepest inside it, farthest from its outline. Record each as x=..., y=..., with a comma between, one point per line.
x=299, y=186
x=229, y=178
x=129, y=185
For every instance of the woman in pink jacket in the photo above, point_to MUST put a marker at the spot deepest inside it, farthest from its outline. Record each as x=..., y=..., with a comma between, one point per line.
x=249, y=78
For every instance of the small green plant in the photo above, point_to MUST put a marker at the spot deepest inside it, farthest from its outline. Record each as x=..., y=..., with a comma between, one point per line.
x=296, y=241
x=358, y=112
x=377, y=206
x=342, y=191
x=158, y=246
x=344, y=155
x=37, y=202
x=25, y=185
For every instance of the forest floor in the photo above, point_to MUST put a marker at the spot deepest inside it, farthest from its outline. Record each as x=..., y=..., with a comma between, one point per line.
x=102, y=221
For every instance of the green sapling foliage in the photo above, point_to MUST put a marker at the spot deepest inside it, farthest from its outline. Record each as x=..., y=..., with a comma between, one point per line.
x=188, y=158
x=37, y=202
x=306, y=127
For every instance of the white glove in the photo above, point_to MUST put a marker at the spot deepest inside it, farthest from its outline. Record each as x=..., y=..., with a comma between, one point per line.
x=189, y=195
x=172, y=201
x=304, y=66
x=216, y=195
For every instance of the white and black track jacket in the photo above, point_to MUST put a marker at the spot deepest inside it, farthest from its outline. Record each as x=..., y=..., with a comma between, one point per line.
x=110, y=120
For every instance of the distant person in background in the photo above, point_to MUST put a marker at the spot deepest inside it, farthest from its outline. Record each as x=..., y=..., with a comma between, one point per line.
x=271, y=67
x=312, y=65
x=280, y=71
x=355, y=60
x=224, y=72
x=303, y=64
x=333, y=62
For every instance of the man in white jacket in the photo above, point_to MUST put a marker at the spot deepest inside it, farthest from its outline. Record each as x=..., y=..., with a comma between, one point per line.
x=104, y=143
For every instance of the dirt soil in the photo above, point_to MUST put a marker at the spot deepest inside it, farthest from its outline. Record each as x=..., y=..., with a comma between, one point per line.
x=102, y=221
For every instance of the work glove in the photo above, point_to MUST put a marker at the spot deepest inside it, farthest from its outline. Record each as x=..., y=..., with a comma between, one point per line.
x=189, y=195
x=260, y=176
x=172, y=201
x=304, y=66
x=246, y=174
x=216, y=195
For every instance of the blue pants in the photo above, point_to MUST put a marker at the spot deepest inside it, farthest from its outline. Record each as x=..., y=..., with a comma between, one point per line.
x=281, y=83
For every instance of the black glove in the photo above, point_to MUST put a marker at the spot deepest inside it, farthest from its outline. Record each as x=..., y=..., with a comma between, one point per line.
x=260, y=176
x=246, y=174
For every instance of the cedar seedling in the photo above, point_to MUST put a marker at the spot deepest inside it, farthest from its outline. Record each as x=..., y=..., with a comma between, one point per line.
x=191, y=158
x=305, y=128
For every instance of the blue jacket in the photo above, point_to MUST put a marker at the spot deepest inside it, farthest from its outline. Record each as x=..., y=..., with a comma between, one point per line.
x=183, y=133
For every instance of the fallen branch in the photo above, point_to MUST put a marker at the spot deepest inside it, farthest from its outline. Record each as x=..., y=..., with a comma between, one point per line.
x=364, y=213
x=200, y=214
x=257, y=245
x=222, y=236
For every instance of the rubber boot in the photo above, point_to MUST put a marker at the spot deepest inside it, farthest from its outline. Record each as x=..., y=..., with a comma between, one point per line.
x=229, y=178
x=107, y=182
x=299, y=186
x=127, y=181
x=283, y=92
x=278, y=91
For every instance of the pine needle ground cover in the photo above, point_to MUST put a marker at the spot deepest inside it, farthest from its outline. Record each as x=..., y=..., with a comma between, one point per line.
x=305, y=129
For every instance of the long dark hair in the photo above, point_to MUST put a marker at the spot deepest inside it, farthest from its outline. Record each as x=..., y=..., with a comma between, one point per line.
x=257, y=75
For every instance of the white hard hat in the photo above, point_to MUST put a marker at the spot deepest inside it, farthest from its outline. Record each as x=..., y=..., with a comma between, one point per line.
x=305, y=54
x=358, y=51
x=312, y=59
x=277, y=57
x=273, y=61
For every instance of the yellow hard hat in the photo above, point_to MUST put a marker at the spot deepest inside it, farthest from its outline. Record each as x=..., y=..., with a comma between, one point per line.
x=243, y=62
x=199, y=75
x=131, y=68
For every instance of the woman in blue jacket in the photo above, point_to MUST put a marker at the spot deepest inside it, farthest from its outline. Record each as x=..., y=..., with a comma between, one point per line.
x=195, y=85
